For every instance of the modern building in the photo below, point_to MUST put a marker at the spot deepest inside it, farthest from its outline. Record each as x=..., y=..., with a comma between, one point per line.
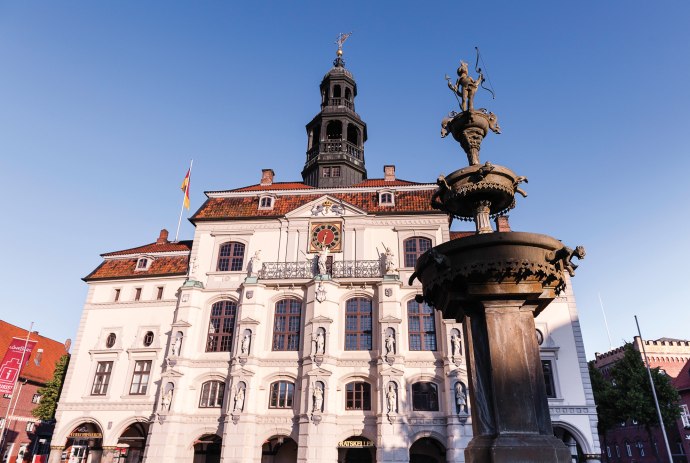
x=630, y=442
x=286, y=330
x=24, y=436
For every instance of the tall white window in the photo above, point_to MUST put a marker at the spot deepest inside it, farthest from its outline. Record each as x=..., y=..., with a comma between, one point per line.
x=140, y=377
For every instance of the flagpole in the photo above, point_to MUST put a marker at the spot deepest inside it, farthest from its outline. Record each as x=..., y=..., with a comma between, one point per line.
x=21, y=365
x=656, y=401
x=186, y=192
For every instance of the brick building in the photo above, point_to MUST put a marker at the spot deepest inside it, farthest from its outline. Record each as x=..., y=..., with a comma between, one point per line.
x=26, y=436
x=629, y=442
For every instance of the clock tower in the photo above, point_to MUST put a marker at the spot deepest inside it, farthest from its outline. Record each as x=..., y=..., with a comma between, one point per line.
x=336, y=135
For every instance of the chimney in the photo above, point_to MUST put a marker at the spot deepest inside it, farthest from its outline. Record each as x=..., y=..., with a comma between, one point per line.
x=267, y=177
x=389, y=173
x=502, y=224
x=163, y=237
x=68, y=344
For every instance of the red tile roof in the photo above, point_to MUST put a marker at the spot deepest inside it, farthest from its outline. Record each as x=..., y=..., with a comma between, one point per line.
x=276, y=186
x=454, y=235
x=125, y=268
x=153, y=248
x=52, y=351
x=406, y=202
x=379, y=182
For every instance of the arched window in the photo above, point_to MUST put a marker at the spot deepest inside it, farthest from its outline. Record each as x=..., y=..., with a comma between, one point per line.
x=358, y=324
x=334, y=130
x=353, y=134
x=221, y=326
x=415, y=247
x=628, y=449
x=336, y=91
x=425, y=396
x=358, y=396
x=640, y=447
x=421, y=326
x=286, y=327
x=212, y=394
x=348, y=94
x=231, y=257
x=281, y=394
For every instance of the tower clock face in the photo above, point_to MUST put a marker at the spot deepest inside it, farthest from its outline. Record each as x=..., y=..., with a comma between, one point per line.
x=325, y=234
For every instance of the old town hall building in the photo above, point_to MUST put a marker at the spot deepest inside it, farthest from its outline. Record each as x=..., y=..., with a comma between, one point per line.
x=286, y=331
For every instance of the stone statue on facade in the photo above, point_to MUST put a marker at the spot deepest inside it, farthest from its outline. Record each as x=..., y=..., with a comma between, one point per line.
x=391, y=264
x=239, y=400
x=320, y=343
x=323, y=260
x=255, y=264
x=460, y=398
x=392, y=399
x=455, y=345
x=390, y=344
x=166, y=400
x=246, y=342
x=317, y=398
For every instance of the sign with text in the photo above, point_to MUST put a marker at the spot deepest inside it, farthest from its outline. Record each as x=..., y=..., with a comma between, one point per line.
x=355, y=443
x=10, y=366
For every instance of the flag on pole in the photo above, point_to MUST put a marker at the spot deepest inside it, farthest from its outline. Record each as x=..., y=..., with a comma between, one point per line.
x=185, y=189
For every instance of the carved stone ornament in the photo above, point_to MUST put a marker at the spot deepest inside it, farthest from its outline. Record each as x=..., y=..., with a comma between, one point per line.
x=320, y=293
x=235, y=417
x=316, y=418
x=388, y=292
x=249, y=294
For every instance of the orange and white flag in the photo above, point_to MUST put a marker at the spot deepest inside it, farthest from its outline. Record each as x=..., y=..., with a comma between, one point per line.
x=185, y=189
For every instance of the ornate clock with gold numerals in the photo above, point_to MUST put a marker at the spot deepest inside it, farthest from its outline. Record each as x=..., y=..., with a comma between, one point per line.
x=328, y=234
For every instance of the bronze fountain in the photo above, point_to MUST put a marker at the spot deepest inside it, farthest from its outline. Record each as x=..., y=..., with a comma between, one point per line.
x=496, y=283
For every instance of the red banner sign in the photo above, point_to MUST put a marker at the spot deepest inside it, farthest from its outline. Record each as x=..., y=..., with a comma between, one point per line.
x=10, y=368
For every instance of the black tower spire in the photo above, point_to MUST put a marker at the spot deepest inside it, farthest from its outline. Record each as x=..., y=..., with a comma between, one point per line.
x=336, y=135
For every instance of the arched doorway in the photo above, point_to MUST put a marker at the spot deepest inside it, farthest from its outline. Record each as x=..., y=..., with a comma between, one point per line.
x=84, y=444
x=427, y=450
x=356, y=449
x=131, y=444
x=207, y=449
x=576, y=453
x=279, y=449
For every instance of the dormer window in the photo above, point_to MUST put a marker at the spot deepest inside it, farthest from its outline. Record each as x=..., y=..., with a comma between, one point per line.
x=143, y=264
x=266, y=202
x=386, y=198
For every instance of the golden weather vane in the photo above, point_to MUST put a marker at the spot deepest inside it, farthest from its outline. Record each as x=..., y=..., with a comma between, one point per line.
x=341, y=40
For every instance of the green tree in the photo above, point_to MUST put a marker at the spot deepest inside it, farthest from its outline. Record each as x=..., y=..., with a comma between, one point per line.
x=50, y=393
x=628, y=396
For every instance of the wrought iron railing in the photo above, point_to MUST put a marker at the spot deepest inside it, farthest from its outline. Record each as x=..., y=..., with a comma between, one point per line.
x=286, y=270
x=356, y=269
x=309, y=269
x=335, y=146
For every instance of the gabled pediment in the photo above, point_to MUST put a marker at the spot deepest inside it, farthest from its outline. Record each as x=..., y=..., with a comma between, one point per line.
x=390, y=319
x=319, y=372
x=171, y=374
x=242, y=372
x=181, y=324
x=392, y=372
x=320, y=319
x=325, y=206
x=249, y=321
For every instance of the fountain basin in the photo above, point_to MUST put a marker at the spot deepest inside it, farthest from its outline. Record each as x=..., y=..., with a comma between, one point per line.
x=501, y=265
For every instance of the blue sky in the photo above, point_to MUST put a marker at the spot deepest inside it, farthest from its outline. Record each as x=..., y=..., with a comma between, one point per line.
x=103, y=104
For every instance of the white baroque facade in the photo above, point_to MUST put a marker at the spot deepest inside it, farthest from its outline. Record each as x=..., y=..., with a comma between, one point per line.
x=253, y=343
